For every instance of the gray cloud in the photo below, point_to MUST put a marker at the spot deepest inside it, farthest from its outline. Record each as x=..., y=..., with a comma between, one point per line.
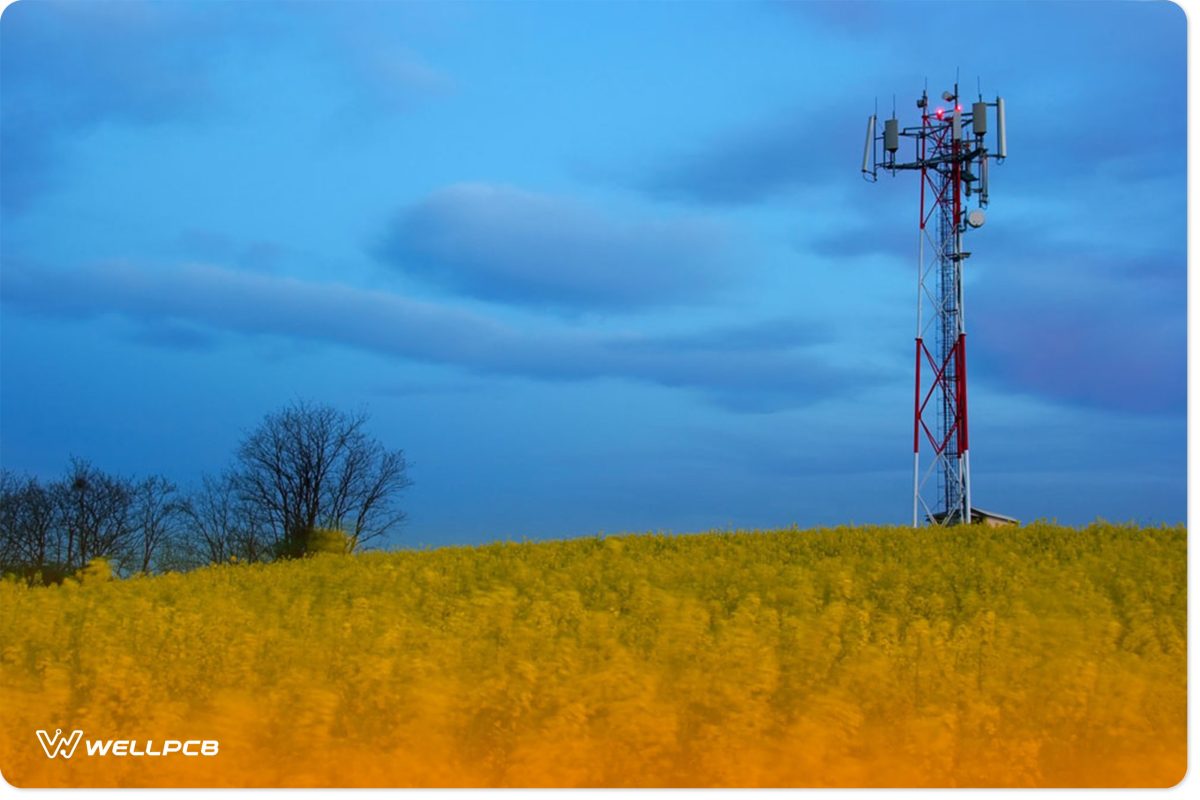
x=502, y=243
x=1083, y=339
x=173, y=336
x=853, y=17
x=1120, y=100
x=891, y=240
x=386, y=76
x=752, y=368
x=766, y=336
x=208, y=245
x=1006, y=246
x=69, y=67
x=752, y=164
x=1062, y=318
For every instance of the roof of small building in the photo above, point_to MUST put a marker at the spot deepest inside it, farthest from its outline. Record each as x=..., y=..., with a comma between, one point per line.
x=979, y=515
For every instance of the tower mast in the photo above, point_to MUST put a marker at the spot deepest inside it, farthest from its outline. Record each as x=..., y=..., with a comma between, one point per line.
x=951, y=157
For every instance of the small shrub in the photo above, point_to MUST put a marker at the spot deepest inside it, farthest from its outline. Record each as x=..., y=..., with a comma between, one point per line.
x=329, y=540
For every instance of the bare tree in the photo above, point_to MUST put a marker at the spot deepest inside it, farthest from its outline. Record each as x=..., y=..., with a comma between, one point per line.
x=30, y=535
x=38, y=522
x=95, y=510
x=10, y=532
x=310, y=466
x=223, y=523
x=158, y=513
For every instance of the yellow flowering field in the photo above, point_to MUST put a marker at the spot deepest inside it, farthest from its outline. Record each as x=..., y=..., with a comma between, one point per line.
x=863, y=656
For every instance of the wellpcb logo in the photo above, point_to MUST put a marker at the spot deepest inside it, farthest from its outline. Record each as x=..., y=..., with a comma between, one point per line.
x=60, y=745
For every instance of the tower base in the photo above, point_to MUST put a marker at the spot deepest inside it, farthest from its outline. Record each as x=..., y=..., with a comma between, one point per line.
x=978, y=516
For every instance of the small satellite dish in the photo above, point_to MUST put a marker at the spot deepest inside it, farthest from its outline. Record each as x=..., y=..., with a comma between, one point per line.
x=976, y=218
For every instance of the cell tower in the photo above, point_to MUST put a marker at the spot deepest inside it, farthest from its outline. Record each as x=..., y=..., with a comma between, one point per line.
x=950, y=154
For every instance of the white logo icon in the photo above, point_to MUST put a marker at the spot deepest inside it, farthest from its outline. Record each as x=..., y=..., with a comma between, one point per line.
x=59, y=745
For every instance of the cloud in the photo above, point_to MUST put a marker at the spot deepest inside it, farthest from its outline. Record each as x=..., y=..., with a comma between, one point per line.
x=1143, y=251
x=853, y=17
x=761, y=367
x=389, y=77
x=1119, y=100
x=892, y=240
x=739, y=379
x=1072, y=320
x=208, y=245
x=810, y=148
x=502, y=243
x=791, y=150
x=173, y=336
x=366, y=54
x=764, y=336
x=1084, y=333
x=69, y=67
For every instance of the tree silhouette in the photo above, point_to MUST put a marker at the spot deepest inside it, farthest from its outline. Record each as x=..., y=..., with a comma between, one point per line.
x=312, y=466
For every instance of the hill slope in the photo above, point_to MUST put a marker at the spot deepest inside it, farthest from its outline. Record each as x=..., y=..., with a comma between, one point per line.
x=843, y=657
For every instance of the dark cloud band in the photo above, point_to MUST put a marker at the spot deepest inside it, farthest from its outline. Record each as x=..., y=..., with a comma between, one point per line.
x=759, y=367
x=505, y=244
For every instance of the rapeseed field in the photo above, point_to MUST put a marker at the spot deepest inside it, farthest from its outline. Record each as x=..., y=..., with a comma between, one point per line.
x=864, y=656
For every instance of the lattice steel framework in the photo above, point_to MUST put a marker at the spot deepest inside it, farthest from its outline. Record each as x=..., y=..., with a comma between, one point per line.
x=952, y=159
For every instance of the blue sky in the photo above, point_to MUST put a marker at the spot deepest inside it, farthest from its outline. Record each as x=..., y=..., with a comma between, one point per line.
x=594, y=266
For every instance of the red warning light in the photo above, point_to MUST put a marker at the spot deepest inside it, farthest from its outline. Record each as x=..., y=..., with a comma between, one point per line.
x=958, y=108
x=941, y=112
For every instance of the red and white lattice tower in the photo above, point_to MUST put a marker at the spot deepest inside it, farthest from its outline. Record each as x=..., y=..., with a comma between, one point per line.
x=950, y=154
